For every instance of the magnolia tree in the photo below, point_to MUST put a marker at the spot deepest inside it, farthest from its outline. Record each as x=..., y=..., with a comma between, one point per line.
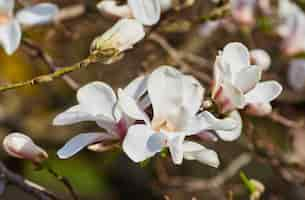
x=176, y=110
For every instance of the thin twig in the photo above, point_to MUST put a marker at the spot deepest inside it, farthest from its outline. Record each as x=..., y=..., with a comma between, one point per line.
x=46, y=58
x=177, y=58
x=66, y=183
x=27, y=186
x=277, y=117
x=195, y=184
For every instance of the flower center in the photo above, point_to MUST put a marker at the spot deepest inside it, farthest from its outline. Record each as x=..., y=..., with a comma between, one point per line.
x=165, y=125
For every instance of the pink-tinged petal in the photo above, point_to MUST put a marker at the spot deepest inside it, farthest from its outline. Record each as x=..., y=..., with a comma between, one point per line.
x=21, y=146
x=258, y=109
x=10, y=36
x=110, y=7
x=195, y=151
x=38, y=14
x=137, y=87
x=81, y=141
x=135, y=144
x=147, y=12
x=264, y=92
x=243, y=11
x=236, y=56
x=247, y=78
x=97, y=98
x=228, y=97
x=230, y=135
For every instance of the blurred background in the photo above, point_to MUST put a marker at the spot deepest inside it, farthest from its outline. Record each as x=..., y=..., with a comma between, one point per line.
x=111, y=175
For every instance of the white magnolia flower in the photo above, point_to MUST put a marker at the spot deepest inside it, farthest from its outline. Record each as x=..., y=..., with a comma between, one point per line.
x=146, y=12
x=296, y=74
x=237, y=83
x=21, y=146
x=121, y=36
x=98, y=103
x=292, y=27
x=10, y=24
x=260, y=58
x=176, y=100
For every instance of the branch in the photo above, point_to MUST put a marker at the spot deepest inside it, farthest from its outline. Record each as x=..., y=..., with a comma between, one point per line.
x=47, y=59
x=95, y=57
x=192, y=184
x=27, y=186
x=178, y=58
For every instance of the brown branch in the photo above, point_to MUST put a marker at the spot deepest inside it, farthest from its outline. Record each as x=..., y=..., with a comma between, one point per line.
x=277, y=117
x=27, y=186
x=192, y=184
x=178, y=58
x=38, y=52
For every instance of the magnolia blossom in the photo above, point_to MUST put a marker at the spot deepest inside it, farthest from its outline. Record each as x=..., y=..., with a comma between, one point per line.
x=176, y=101
x=21, y=146
x=292, y=27
x=296, y=74
x=10, y=25
x=146, y=12
x=121, y=36
x=260, y=58
x=98, y=103
x=237, y=83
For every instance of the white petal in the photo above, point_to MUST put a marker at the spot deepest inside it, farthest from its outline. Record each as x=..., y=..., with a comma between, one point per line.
x=147, y=12
x=7, y=7
x=38, y=14
x=261, y=58
x=110, y=7
x=135, y=144
x=10, y=36
x=137, y=87
x=193, y=94
x=195, y=151
x=71, y=116
x=264, y=92
x=236, y=55
x=164, y=90
x=230, y=135
x=175, y=145
x=130, y=107
x=247, y=78
x=97, y=98
x=217, y=124
x=166, y=5
x=77, y=143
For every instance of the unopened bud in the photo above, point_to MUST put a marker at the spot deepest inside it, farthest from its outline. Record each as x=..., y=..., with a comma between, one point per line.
x=120, y=37
x=296, y=75
x=21, y=146
x=260, y=58
x=243, y=11
x=259, y=189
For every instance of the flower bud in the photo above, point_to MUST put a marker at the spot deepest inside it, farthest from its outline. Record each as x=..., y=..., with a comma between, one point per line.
x=166, y=5
x=259, y=109
x=260, y=58
x=110, y=8
x=259, y=189
x=296, y=75
x=21, y=146
x=120, y=37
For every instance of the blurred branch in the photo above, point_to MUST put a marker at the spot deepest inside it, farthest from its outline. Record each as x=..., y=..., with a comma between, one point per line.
x=216, y=13
x=197, y=184
x=178, y=57
x=27, y=186
x=47, y=59
x=277, y=117
x=103, y=57
x=66, y=183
